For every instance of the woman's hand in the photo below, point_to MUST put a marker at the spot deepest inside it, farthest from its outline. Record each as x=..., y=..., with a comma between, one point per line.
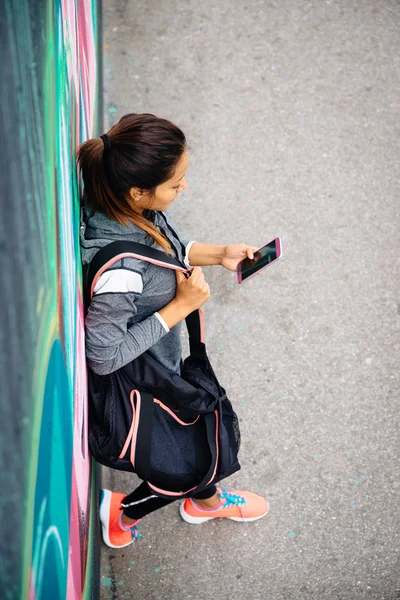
x=232, y=254
x=192, y=292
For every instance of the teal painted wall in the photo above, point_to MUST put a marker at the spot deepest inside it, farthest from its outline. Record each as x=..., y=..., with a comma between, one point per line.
x=49, y=104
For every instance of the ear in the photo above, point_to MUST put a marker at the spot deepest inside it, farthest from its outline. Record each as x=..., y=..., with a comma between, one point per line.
x=136, y=194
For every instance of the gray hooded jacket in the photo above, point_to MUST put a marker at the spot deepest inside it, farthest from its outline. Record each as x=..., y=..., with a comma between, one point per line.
x=123, y=320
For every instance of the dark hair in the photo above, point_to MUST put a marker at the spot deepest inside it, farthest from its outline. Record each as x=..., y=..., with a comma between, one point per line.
x=141, y=151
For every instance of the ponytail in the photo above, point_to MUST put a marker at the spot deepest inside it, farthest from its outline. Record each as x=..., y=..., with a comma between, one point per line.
x=139, y=151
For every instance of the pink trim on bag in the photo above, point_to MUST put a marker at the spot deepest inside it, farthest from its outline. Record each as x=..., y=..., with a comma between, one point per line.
x=169, y=411
x=132, y=435
x=135, y=429
x=132, y=255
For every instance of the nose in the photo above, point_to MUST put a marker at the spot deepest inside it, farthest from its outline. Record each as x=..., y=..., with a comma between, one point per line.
x=183, y=185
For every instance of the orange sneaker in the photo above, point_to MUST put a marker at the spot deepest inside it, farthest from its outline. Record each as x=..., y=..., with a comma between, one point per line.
x=115, y=533
x=236, y=505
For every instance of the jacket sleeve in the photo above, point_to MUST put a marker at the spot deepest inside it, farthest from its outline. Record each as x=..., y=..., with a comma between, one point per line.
x=110, y=342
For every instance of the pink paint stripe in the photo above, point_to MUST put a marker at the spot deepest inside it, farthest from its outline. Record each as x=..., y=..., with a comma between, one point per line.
x=131, y=255
x=169, y=411
x=32, y=589
x=76, y=558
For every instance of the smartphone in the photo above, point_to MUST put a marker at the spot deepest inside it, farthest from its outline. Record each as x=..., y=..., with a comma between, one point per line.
x=262, y=258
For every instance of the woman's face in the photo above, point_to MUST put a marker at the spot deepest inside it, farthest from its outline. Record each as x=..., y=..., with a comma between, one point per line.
x=164, y=193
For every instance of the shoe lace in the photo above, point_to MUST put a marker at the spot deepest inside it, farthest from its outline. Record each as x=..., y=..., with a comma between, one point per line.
x=133, y=529
x=135, y=533
x=231, y=499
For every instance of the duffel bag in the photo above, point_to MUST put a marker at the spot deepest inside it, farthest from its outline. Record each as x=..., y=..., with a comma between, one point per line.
x=179, y=433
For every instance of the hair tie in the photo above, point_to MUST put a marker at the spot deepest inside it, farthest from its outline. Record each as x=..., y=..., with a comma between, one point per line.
x=106, y=141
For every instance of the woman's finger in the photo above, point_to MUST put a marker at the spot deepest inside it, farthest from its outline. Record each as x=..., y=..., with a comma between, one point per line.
x=180, y=276
x=196, y=273
x=201, y=281
x=250, y=251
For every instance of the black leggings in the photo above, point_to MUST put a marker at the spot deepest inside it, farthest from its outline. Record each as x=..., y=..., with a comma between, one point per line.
x=143, y=501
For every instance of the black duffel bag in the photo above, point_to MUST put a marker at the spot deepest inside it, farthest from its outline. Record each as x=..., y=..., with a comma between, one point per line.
x=179, y=433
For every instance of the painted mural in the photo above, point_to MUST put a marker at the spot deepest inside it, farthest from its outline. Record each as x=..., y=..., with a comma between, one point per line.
x=49, y=104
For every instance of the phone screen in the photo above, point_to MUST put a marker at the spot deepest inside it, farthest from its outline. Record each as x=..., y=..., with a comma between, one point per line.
x=262, y=257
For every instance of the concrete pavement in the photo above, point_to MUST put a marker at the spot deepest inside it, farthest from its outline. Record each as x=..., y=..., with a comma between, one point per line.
x=292, y=112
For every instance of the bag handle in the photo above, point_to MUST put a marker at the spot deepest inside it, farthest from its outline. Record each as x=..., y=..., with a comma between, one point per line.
x=111, y=253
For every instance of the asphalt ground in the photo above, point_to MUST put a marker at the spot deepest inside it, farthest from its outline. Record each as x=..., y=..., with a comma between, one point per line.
x=292, y=110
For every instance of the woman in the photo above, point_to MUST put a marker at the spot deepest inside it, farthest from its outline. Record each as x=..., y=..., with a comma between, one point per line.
x=131, y=176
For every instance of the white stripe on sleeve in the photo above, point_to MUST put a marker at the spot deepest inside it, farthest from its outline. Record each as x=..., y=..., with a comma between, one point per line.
x=119, y=280
x=163, y=323
x=187, y=250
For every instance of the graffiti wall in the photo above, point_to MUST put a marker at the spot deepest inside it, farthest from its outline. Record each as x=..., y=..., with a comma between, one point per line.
x=49, y=104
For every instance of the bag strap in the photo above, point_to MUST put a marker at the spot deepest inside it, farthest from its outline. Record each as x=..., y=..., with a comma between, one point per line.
x=111, y=253
x=172, y=231
x=212, y=426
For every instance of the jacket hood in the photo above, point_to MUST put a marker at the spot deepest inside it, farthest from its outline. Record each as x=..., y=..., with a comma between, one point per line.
x=97, y=230
x=98, y=225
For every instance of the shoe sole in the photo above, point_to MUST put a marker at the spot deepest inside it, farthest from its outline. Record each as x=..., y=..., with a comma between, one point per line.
x=105, y=505
x=198, y=520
